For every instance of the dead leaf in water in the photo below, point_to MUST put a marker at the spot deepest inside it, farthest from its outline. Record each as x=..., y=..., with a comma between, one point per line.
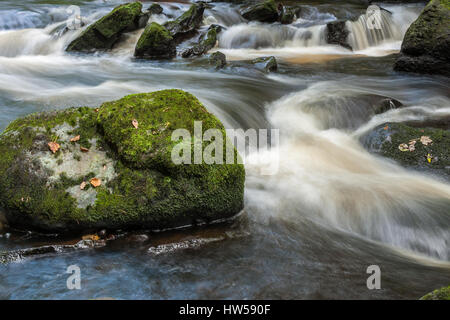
x=135, y=123
x=83, y=149
x=83, y=185
x=92, y=237
x=54, y=147
x=75, y=139
x=95, y=182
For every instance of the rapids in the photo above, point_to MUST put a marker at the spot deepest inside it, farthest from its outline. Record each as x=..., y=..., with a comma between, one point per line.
x=308, y=231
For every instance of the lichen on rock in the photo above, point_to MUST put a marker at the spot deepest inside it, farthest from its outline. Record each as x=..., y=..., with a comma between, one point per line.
x=140, y=186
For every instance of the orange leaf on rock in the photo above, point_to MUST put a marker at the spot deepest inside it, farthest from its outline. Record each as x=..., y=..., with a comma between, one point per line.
x=75, y=139
x=95, y=182
x=83, y=149
x=54, y=147
x=92, y=237
x=135, y=123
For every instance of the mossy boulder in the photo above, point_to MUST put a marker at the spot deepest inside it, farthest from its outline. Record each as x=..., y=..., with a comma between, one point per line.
x=288, y=15
x=186, y=25
x=263, y=12
x=206, y=42
x=118, y=174
x=337, y=33
x=104, y=33
x=439, y=294
x=155, y=43
x=218, y=60
x=392, y=139
x=426, y=45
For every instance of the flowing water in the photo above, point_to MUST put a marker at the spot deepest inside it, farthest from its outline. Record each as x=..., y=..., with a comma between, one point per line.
x=308, y=231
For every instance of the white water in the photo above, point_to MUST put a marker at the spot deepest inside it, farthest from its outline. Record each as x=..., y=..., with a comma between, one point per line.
x=325, y=174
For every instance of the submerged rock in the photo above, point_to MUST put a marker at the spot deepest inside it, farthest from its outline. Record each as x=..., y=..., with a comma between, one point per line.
x=206, y=43
x=104, y=33
x=337, y=33
x=439, y=294
x=426, y=45
x=268, y=63
x=129, y=154
x=218, y=59
x=187, y=24
x=409, y=146
x=387, y=104
x=155, y=43
x=263, y=12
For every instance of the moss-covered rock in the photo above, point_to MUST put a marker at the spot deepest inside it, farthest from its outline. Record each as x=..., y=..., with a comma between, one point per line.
x=267, y=63
x=439, y=294
x=155, y=43
x=426, y=45
x=288, y=15
x=387, y=139
x=206, y=42
x=263, y=12
x=104, y=33
x=218, y=59
x=129, y=151
x=186, y=25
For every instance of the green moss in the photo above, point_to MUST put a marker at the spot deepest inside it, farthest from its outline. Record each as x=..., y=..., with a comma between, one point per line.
x=147, y=190
x=155, y=42
x=439, y=294
x=105, y=32
x=400, y=133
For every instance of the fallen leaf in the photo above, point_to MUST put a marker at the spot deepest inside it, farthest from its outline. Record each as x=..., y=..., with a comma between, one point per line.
x=425, y=140
x=385, y=128
x=75, y=139
x=83, y=185
x=403, y=147
x=95, y=182
x=429, y=158
x=54, y=147
x=92, y=237
x=83, y=149
x=135, y=123
x=96, y=109
x=104, y=167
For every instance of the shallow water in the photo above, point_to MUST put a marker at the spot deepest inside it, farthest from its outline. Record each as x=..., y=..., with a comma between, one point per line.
x=308, y=231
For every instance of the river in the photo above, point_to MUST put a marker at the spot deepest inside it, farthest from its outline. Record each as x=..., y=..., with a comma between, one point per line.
x=307, y=232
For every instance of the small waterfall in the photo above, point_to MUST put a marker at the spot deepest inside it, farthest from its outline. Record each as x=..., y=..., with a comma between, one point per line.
x=383, y=26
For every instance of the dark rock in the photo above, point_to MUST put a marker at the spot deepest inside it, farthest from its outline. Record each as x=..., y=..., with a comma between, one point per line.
x=426, y=45
x=287, y=15
x=206, y=43
x=155, y=43
x=104, y=33
x=217, y=59
x=337, y=33
x=263, y=12
x=155, y=8
x=268, y=63
x=187, y=24
x=386, y=105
